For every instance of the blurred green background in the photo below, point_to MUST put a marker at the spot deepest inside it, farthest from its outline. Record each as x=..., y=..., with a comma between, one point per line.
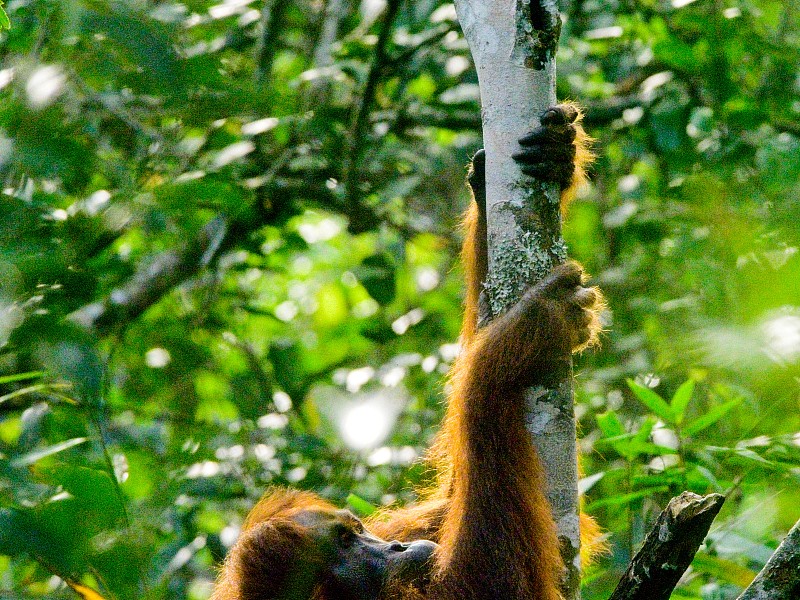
x=228, y=237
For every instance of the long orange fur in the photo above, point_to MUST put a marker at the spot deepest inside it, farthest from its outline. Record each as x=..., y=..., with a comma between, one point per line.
x=487, y=508
x=424, y=519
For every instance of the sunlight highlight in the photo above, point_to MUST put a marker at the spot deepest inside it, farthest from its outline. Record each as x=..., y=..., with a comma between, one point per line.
x=782, y=338
x=45, y=85
x=364, y=426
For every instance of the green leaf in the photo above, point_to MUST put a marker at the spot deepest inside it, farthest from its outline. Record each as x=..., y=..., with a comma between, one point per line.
x=177, y=196
x=288, y=366
x=361, y=507
x=332, y=305
x=629, y=445
x=20, y=376
x=636, y=448
x=94, y=491
x=377, y=274
x=711, y=417
x=587, y=483
x=610, y=424
x=645, y=430
x=619, y=443
x=424, y=87
x=626, y=498
x=5, y=22
x=145, y=44
x=632, y=445
x=676, y=53
x=46, y=147
x=725, y=570
x=51, y=533
x=15, y=526
x=707, y=476
x=749, y=454
x=681, y=399
x=32, y=457
x=42, y=388
x=652, y=401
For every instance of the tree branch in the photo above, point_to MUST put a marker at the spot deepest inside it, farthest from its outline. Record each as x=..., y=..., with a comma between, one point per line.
x=780, y=577
x=669, y=548
x=362, y=222
x=271, y=22
x=468, y=118
x=172, y=268
x=154, y=280
x=323, y=53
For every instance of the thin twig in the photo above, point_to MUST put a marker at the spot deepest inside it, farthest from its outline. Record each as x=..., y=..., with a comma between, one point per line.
x=154, y=280
x=361, y=222
x=271, y=22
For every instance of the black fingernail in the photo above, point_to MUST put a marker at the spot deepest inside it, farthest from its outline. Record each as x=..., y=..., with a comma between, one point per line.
x=553, y=117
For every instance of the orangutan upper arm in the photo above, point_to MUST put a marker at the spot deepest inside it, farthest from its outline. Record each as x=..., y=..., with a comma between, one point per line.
x=488, y=511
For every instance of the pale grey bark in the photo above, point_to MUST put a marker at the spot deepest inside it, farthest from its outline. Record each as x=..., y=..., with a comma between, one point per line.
x=323, y=53
x=513, y=45
x=780, y=577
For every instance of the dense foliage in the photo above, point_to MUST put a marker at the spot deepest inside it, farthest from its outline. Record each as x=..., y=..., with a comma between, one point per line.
x=227, y=261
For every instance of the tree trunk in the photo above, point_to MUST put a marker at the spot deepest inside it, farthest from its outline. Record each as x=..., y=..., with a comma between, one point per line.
x=513, y=44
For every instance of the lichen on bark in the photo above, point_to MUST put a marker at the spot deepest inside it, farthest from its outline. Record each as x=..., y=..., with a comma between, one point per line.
x=527, y=256
x=513, y=43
